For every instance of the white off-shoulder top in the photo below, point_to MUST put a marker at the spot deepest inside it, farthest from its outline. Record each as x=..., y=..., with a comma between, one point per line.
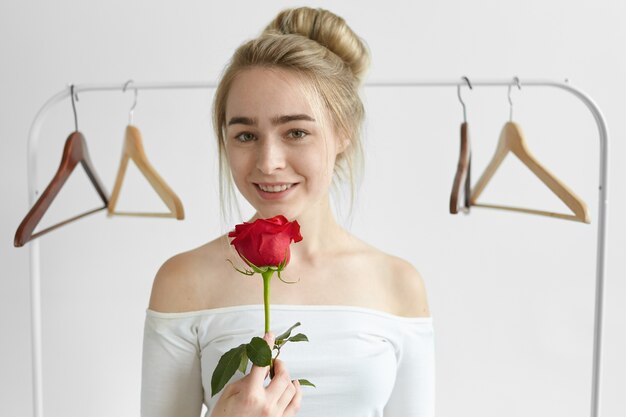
x=364, y=362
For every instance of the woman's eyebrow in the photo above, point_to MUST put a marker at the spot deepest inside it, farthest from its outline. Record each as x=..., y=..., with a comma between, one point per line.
x=291, y=118
x=275, y=120
x=238, y=120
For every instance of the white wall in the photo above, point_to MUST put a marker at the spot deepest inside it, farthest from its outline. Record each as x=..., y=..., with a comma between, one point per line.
x=512, y=294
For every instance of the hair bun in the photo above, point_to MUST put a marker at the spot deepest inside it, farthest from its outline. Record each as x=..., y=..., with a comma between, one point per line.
x=327, y=29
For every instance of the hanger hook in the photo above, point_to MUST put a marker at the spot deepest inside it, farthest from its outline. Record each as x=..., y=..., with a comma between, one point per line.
x=519, y=87
x=132, y=109
x=458, y=93
x=74, y=97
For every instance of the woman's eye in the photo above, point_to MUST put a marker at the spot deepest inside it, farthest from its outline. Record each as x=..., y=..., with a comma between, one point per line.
x=244, y=137
x=297, y=134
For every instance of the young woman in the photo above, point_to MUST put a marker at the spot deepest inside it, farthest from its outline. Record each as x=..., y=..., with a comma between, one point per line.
x=287, y=116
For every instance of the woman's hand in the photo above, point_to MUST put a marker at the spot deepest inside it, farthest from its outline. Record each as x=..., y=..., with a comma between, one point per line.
x=249, y=398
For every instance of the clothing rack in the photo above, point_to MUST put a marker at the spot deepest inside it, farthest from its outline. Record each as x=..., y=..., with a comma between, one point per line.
x=33, y=141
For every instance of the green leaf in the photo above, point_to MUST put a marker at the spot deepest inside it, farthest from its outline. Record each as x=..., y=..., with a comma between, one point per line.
x=243, y=365
x=298, y=338
x=226, y=368
x=285, y=335
x=259, y=352
x=306, y=382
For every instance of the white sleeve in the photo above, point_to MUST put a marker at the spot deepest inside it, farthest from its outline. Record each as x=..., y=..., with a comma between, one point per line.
x=171, y=382
x=413, y=393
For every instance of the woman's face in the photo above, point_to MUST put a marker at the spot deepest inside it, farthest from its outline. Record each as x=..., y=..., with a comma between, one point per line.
x=280, y=154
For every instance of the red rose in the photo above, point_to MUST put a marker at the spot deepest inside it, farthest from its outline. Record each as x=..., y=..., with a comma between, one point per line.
x=264, y=246
x=265, y=242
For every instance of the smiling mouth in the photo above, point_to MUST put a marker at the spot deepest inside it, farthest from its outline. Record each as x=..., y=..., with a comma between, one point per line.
x=274, y=188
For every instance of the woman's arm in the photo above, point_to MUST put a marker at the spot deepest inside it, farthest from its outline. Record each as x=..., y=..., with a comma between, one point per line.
x=171, y=383
x=413, y=393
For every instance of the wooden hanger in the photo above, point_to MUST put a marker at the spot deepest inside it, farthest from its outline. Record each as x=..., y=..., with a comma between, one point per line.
x=75, y=152
x=512, y=140
x=133, y=149
x=462, y=177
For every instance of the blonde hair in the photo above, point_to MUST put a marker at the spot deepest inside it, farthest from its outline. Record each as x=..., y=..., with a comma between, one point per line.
x=320, y=47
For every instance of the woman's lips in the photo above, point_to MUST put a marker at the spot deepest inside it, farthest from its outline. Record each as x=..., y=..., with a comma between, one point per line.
x=274, y=191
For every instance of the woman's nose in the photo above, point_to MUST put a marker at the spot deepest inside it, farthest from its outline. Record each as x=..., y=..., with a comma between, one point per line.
x=270, y=156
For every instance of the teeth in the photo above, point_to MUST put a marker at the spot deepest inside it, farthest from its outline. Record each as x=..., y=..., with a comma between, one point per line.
x=275, y=188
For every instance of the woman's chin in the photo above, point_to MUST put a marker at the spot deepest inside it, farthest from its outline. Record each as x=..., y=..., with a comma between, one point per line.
x=290, y=214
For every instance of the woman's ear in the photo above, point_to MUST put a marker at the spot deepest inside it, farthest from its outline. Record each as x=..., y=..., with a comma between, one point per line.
x=342, y=145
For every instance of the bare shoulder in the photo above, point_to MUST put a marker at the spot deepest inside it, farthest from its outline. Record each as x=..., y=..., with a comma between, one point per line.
x=404, y=285
x=179, y=283
x=408, y=288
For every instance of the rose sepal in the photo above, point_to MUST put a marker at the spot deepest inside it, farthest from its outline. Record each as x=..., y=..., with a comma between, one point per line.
x=244, y=272
x=263, y=269
x=280, y=269
x=287, y=282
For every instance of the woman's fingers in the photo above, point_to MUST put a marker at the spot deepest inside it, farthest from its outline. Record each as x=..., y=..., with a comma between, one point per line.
x=294, y=405
x=280, y=382
x=286, y=398
x=269, y=338
x=258, y=373
x=281, y=394
x=281, y=390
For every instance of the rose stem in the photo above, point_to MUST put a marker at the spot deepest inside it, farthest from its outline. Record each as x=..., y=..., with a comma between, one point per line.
x=267, y=277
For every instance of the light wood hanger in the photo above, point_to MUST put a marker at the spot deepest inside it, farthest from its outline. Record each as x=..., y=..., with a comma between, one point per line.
x=462, y=179
x=74, y=152
x=512, y=140
x=133, y=149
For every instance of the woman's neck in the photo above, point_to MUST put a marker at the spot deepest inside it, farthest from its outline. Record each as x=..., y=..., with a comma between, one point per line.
x=320, y=232
x=319, y=229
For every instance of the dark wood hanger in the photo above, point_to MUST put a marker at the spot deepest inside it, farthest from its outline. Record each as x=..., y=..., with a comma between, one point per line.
x=462, y=179
x=75, y=152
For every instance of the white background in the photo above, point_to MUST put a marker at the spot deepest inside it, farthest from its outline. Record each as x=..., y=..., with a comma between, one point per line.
x=512, y=294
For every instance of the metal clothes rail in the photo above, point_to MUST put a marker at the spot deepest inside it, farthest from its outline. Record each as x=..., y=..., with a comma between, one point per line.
x=35, y=272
